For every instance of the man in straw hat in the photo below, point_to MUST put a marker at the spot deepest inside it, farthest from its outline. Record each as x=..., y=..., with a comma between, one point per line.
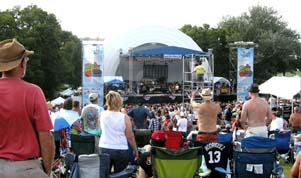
x=24, y=120
x=207, y=116
x=255, y=113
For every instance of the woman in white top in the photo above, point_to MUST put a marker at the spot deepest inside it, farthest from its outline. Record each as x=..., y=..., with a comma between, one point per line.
x=117, y=131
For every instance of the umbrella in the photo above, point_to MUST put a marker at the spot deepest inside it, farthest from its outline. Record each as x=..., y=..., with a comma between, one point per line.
x=69, y=115
x=60, y=123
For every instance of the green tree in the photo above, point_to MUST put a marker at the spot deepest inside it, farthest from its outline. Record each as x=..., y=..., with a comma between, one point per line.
x=71, y=60
x=211, y=38
x=278, y=46
x=40, y=31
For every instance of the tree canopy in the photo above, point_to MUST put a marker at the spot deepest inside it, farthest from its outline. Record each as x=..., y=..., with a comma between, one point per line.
x=278, y=47
x=57, y=57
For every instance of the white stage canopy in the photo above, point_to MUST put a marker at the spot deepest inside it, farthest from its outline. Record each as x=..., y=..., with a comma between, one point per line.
x=221, y=80
x=283, y=87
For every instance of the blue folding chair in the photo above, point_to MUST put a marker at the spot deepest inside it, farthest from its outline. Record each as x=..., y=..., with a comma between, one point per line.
x=257, y=158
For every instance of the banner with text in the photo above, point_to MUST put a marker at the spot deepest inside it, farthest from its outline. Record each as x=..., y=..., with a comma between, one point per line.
x=92, y=67
x=245, y=72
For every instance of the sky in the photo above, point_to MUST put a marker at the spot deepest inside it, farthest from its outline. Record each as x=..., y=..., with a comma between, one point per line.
x=105, y=18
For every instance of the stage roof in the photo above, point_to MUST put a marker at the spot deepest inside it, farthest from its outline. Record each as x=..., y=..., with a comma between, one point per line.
x=167, y=50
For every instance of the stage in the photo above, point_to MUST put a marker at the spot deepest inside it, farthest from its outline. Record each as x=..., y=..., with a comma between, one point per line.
x=168, y=98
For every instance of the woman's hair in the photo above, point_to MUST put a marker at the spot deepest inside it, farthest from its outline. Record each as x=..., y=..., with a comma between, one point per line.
x=113, y=100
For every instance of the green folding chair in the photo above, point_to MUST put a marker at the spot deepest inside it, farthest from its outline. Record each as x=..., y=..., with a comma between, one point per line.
x=182, y=163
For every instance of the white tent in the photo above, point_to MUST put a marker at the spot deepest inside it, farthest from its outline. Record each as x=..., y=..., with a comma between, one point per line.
x=221, y=80
x=283, y=87
x=57, y=101
x=142, y=35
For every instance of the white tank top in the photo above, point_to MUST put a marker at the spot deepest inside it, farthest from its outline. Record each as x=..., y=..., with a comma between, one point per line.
x=113, y=131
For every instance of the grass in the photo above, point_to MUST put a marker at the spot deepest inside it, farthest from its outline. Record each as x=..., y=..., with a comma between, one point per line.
x=286, y=168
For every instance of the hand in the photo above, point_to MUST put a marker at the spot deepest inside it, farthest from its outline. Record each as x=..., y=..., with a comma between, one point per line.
x=136, y=154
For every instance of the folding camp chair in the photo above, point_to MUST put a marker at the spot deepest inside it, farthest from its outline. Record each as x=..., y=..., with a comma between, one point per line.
x=174, y=140
x=283, y=140
x=142, y=137
x=182, y=163
x=83, y=144
x=217, y=155
x=97, y=166
x=257, y=158
x=224, y=137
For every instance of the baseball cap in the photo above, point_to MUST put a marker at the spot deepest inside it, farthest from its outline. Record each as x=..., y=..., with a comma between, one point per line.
x=93, y=96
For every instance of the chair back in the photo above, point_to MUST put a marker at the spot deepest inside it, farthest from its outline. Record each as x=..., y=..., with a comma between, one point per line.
x=258, y=158
x=258, y=144
x=247, y=164
x=83, y=144
x=283, y=141
x=216, y=155
x=175, y=163
x=173, y=140
x=224, y=137
x=142, y=137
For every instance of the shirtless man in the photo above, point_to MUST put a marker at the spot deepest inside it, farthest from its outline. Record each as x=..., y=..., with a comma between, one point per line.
x=295, y=120
x=207, y=116
x=255, y=113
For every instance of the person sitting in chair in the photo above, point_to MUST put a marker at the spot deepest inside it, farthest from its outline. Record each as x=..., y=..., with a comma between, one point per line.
x=158, y=138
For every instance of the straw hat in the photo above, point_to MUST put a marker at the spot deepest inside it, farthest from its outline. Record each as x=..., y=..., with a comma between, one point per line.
x=206, y=94
x=11, y=54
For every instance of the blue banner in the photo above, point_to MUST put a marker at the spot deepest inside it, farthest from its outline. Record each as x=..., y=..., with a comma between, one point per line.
x=92, y=67
x=245, y=72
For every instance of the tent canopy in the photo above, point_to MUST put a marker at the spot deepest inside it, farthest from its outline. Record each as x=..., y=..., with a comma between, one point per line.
x=57, y=101
x=114, y=81
x=284, y=87
x=221, y=80
x=166, y=50
x=107, y=79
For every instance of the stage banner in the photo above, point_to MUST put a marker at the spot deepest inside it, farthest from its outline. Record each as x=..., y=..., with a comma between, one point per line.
x=92, y=67
x=245, y=71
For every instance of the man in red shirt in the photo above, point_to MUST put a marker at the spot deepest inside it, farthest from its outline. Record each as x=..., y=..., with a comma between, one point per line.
x=24, y=120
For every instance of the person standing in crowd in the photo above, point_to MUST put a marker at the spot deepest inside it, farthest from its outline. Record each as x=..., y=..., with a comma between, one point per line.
x=295, y=120
x=207, y=116
x=228, y=114
x=154, y=123
x=117, y=131
x=278, y=123
x=272, y=102
x=199, y=70
x=255, y=113
x=140, y=115
x=76, y=107
x=182, y=124
x=24, y=119
x=90, y=116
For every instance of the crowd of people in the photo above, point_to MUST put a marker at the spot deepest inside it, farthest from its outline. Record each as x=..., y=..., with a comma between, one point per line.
x=26, y=119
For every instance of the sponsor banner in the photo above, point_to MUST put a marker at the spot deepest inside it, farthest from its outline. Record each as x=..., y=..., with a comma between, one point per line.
x=245, y=72
x=92, y=65
x=157, y=60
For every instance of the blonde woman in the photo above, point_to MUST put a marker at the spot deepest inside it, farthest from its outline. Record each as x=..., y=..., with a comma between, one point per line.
x=117, y=132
